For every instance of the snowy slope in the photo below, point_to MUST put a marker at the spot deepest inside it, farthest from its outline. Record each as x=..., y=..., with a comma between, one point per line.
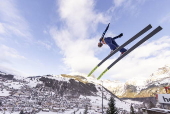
x=21, y=87
x=133, y=87
x=159, y=78
x=96, y=100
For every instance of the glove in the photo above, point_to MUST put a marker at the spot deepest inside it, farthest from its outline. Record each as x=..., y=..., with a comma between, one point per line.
x=120, y=35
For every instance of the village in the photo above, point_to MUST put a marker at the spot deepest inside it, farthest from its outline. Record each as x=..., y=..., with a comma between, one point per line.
x=36, y=99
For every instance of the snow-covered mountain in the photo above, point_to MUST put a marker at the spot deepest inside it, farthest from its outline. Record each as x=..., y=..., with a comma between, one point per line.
x=72, y=93
x=61, y=93
x=144, y=87
x=136, y=87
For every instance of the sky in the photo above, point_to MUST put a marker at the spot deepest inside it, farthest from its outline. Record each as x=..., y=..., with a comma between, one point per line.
x=40, y=37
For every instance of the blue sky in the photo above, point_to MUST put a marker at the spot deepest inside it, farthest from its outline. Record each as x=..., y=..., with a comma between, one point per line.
x=39, y=37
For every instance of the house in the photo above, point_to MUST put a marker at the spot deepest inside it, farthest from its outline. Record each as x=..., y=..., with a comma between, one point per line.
x=55, y=109
x=155, y=111
x=45, y=110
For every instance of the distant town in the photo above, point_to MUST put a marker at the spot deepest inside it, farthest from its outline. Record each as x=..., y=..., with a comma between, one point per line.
x=39, y=98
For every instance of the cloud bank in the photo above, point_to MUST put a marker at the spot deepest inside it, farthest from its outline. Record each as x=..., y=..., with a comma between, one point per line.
x=145, y=60
x=12, y=22
x=79, y=49
x=73, y=38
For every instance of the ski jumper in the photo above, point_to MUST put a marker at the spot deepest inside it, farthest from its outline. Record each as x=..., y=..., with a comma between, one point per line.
x=112, y=44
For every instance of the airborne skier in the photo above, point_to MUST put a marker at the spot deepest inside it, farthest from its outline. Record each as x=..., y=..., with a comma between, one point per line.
x=122, y=46
x=159, y=28
x=111, y=43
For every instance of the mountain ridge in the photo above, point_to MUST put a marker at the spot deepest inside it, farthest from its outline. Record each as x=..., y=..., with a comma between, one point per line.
x=45, y=92
x=52, y=87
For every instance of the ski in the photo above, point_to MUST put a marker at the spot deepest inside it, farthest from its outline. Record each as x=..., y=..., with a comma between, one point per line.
x=123, y=45
x=131, y=49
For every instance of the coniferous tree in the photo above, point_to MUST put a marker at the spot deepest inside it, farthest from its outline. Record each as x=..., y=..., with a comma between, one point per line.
x=0, y=103
x=151, y=105
x=4, y=111
x=86, y=109
x=139, y=111
x=112, y=108
x=21, y=112
x=132, y=111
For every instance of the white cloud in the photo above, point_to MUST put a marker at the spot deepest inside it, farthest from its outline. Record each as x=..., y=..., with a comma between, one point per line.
x=165, y=19
x=80, y=17
x=45, y=32
x=143, y=61
x=7, y=53
x=2, y=28
x=79, y=20
x=10, y=70
x=127, y=6
x=78, y=54
x=12, y=22
x=8, y=57
x=45, y=44
x=118, y=3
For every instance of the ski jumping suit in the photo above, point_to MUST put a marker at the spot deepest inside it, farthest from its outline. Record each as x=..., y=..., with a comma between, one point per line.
x=112, y=44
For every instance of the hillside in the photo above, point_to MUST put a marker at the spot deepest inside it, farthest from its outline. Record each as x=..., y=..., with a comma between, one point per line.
x=149, y=87
x=69, y=93
x=134, y=88
x=50, y=93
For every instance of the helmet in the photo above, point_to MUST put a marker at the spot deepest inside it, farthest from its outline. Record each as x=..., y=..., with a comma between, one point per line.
x=100, y=44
